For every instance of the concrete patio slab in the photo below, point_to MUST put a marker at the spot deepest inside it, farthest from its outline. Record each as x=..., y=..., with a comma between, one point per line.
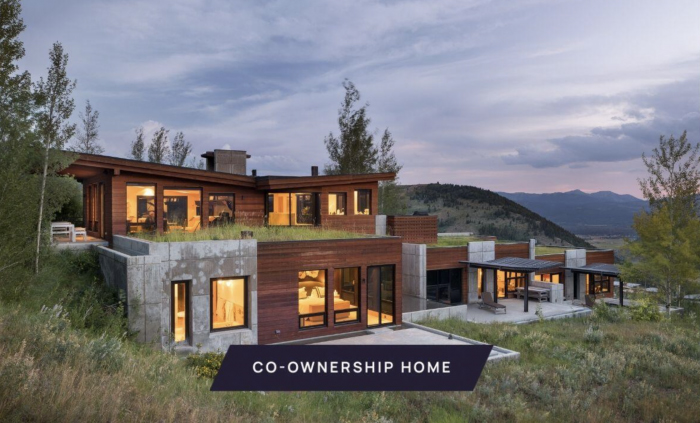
x=515, y=314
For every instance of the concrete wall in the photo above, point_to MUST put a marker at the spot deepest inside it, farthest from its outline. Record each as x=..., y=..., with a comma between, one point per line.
x=380, y=224
x=480, y=251
x=146, y=270
x=414, y=273
x=556, y=290
x=454, y=312
x=574, y=258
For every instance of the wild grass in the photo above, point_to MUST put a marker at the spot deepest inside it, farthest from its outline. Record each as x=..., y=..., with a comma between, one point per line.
x=261, y=233
x=460, y=241
x=65, y=356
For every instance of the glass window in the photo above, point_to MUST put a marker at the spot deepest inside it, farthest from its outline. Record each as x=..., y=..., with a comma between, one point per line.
x=221, y=209
x=312, y=298
x=291, y=209
x=180, y=312
x=598, y=284
x=380, y=295
x=479, y=281
x=445, y=285
x=346, y=297
x=363, y=201
x=140, y=208
x=180, y=209
x=337, y=203
x=228, y=303
x=304, y=205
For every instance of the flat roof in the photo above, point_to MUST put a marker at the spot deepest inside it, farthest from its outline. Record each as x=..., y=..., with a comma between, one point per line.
x=514, y=264
x=596, y=268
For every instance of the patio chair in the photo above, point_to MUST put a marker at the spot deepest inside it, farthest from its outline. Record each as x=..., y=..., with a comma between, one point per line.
x=80, y=231
x=487, y=302
x=590, y=301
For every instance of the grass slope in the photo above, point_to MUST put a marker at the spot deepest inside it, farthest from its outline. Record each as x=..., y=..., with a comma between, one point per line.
x=73, y=361
x=462, y=208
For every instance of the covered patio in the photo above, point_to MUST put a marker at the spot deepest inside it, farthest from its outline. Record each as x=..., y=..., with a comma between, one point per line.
x=603, y=270
x=518, y=265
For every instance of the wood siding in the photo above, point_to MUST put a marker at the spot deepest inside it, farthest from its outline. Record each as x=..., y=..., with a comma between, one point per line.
x=438, y=258
x=519, y=250
x=605, y=256
x=278, y=267
x=413, y=229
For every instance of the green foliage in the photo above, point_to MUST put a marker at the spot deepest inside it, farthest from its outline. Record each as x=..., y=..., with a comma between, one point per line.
x=645, y=309
x=159, y=150
x=71, y=210
x=138, y=146
x=604, y=313
x=206, y=365
x=88, y=133
x=181, y=149
x=593, y=334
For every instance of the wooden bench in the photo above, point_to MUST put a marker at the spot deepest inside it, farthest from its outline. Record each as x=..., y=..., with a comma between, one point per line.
x=79, y=231
x=488, y=302
x=533, y=292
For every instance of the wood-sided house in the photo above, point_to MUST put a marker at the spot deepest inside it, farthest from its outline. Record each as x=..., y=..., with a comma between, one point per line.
x=123, y=197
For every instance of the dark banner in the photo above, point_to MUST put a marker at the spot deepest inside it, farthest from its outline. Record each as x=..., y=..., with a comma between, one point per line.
x=351, y=368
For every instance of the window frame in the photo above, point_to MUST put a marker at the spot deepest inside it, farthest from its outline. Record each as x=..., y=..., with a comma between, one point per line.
x=214, y=194
x=358, y=295
x=345, y=203
x=369, y=202
x=325, y=303
x=245, y=304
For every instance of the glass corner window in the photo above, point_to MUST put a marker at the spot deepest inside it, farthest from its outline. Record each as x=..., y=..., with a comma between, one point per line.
x=228, y=303
x=312, y=298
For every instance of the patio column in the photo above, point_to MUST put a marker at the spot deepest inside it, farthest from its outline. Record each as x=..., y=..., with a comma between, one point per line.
x=527, y=290
x=621, y=301
x=495, y=285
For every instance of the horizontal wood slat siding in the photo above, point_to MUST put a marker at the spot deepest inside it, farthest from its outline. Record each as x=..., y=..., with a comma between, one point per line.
x=552, y=257
x=445, y=257
x=413, y=229
x=520, y=250
x=278, y=267
x=606, y=257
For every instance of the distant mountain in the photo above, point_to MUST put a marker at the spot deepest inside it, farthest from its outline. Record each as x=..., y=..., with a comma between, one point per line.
x=463, y=208
x=603, y=213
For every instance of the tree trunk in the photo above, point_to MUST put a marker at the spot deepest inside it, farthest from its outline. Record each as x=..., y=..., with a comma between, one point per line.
x=41, y=208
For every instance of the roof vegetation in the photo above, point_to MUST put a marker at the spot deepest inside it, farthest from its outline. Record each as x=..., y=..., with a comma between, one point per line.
x=261, y=233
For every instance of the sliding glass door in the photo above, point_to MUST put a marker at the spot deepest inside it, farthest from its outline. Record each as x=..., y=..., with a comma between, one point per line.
x=380, y=295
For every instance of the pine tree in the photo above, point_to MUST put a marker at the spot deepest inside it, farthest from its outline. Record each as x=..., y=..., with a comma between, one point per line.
x=88, y=133
x=55, y=108
x=353, y=152
x=138, y=147
x=180, y=150
x=391, y=198
x=159, y=149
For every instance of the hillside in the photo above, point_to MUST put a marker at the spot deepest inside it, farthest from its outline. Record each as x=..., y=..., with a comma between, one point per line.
x=462, y=208
x=601, y=213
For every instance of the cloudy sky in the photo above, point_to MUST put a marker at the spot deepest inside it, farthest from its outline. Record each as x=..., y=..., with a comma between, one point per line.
x=534, y=96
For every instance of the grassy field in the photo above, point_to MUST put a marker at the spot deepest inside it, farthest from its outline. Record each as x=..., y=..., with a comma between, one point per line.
x=66, y=356
x=261, y=233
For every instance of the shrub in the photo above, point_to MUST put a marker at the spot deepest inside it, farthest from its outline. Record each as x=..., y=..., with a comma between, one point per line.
x=645, y=310
x=206, y=364
x=604, y=313
x=593, y=335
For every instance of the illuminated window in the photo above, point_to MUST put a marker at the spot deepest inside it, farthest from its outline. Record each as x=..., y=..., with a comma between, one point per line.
x=337, y=203
x=228, y=303
x=480, y=281
x=346, y=297
x=140, y=208
x=292, y=209
x=598, y=284
x=380, y=295
x=363, y=201
x=312, y=298
x=180, y=209
x=221, y=209
x=180, y=312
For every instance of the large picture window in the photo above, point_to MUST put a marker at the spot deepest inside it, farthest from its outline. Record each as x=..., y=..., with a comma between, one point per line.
x=229, y=303
x=337, y=203
x=380, y=295
x=346, y=297
x=445, y=285
x=509, y=282
x=363, y=201
x=312, y=298
x=598, y=284
x=180, y=209
x=292, y=209
x=221, y=209
x=548, y=277
x=140, y=208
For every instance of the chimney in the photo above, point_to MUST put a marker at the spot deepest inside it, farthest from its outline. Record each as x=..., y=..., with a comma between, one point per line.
x=227, y=161
x=254, y=172
x=314, y=170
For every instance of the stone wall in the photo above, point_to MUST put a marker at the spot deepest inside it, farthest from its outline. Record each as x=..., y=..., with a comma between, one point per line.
x=574, y=258
x=556, y=290
x=145, y=271
x=380, y=225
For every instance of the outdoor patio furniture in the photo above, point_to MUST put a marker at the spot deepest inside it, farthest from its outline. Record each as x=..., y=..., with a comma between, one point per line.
x=487, y=302
x=62, y=228
x=79, y=231
x=533, y=292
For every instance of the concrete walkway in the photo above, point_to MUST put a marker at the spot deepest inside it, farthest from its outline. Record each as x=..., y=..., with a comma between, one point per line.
x=416, y=335
x=515, y=314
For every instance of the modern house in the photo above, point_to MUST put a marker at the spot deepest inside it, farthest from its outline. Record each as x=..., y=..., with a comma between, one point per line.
x=250, y=290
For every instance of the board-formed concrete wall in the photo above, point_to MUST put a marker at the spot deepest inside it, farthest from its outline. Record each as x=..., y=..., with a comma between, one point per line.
x=145, y=271
x=380, y=224
x=574, y=258
x=480, y=251
x=414, y=273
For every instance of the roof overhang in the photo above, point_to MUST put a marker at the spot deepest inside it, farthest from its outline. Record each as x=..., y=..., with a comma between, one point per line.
x=294, y=182
x=88, y=165
x=596, y=269
x=514, y=264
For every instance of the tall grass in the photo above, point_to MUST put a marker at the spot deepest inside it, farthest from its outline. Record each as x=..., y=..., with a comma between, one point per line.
x=261, y=233
x=65, y=356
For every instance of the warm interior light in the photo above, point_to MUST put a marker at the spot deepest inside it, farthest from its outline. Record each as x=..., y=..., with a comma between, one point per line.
x=229, y=283
x=148, y=192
